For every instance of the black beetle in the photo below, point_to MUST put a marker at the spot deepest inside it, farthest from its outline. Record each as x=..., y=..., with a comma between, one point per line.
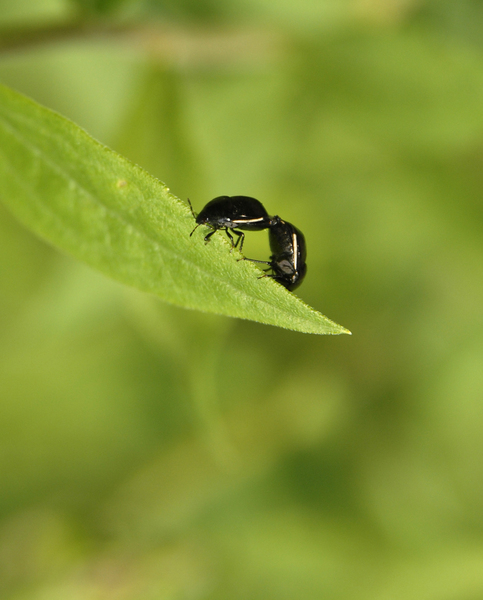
x=233, y=212
x=289, y=254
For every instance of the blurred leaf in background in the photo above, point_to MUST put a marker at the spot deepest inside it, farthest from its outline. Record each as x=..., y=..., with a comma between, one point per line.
x=147, y=451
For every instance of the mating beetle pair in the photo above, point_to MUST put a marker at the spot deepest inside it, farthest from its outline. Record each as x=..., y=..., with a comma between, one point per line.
x=234, y=213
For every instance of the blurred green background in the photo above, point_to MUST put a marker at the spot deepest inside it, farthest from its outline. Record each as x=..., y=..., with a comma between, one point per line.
x=148, y=452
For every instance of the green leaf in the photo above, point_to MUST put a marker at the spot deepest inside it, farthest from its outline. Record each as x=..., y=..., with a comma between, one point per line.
x=97, y=206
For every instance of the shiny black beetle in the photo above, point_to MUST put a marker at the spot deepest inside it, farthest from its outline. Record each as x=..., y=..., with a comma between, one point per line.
x=233, y=213
x=289, y=254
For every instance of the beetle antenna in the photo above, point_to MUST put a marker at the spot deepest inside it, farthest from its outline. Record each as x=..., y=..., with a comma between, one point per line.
x=195, y=229
x=192, y=211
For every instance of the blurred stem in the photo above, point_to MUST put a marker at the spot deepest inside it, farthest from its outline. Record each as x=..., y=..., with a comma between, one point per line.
x=195, y=347
x=205, y=384
x=26, y=38
x=185, y=45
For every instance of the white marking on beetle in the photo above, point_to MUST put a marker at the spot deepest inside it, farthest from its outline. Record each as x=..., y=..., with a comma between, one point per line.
x=248, y=220
x=295, y=250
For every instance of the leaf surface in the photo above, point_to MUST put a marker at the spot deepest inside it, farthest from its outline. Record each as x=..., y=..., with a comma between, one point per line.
x=97, y=206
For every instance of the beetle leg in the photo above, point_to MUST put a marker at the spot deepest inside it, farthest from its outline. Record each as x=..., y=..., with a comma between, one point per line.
x=241, y=237
x=233, y=245
x=207, y=237
x=262, y=262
